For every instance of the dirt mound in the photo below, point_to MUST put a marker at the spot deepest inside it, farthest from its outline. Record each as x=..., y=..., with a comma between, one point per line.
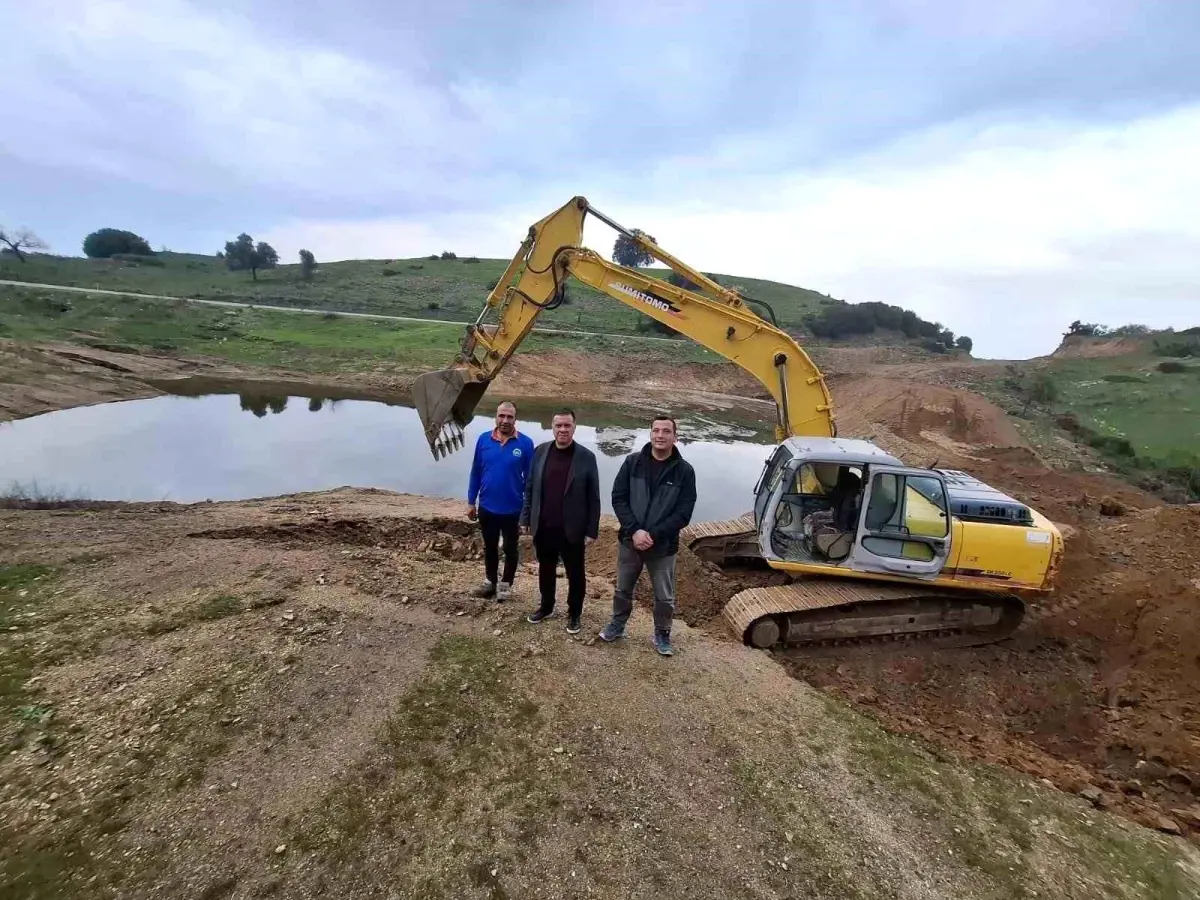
x=920, y=418
x=1082, y=347
x=1098, y=691
x=451, y=538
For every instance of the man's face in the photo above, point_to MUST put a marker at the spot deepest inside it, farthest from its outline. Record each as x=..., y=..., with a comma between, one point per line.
x=506, y=419
x=564, y=430
x=662, y=435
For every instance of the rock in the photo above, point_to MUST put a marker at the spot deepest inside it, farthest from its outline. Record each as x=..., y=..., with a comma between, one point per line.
x=289, y=617
x=497, y=632
x=558, y=749
x=1162, y=823
x=1092, y=794
x=281, y=848
x=1190, y=816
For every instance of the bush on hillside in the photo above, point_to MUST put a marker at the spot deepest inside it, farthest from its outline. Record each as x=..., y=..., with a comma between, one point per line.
x=682, y=281
x=108, y=242
x=471, y=259
x=140, y=259
x=446, y=254
x=1177, y=348
x=843, y=320
x=1173, y=368
x=964, y=343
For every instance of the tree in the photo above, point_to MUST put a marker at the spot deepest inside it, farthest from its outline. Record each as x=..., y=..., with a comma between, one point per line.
x=107, y=242
x=628, y=252
x=308, y=264
x=242, y=254
x=20, y=241
x=1087, y=329
x=964, y=343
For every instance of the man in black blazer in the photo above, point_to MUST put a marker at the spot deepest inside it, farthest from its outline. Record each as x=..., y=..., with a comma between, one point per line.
x=562, y=512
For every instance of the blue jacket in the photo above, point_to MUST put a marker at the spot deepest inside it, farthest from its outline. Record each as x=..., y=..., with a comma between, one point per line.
x=498, y=473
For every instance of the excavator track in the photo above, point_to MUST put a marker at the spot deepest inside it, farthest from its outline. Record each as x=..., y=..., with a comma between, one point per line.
x=720, y=542
x=817, y=612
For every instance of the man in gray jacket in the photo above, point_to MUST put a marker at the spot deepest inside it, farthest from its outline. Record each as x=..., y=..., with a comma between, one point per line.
x=653, y=497
x=562, y=512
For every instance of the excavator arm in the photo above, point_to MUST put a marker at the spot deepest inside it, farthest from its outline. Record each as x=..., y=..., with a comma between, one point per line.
x=718, y=319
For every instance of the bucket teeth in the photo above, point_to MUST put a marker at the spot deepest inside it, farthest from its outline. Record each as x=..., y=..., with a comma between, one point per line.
x=449, y=439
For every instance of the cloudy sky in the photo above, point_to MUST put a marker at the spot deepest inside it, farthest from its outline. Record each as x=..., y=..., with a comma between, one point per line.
x=1026, y=163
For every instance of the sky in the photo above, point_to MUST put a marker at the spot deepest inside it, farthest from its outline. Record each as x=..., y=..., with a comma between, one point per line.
x=1003, y=169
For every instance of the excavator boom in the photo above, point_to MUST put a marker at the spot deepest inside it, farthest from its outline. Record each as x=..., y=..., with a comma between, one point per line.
x=714, y=316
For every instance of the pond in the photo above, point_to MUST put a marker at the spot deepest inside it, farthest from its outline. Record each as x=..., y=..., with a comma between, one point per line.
x=231, y=446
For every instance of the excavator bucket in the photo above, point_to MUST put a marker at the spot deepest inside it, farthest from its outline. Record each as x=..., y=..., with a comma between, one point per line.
x=446, y=401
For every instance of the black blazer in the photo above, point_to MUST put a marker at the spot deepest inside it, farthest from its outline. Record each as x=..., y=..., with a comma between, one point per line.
x=581, y=503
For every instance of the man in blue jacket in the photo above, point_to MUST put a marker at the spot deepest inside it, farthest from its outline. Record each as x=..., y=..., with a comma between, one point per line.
x=495, y=495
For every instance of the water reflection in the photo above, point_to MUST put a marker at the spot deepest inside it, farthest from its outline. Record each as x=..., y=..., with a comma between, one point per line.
x=202, y=447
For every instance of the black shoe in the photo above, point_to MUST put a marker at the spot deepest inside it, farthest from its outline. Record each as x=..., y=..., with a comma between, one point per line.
x=537, y=615
x=574, y=626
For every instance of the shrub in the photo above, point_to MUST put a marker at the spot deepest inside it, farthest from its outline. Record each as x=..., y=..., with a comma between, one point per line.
x=140, y=259
x=471, y=259
x=446, y=254
x=1171, y=367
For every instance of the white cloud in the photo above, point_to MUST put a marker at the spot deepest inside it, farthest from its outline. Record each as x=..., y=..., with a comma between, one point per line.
x=1006, y=233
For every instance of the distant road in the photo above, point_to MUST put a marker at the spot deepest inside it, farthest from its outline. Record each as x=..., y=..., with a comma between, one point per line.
x=232, y=304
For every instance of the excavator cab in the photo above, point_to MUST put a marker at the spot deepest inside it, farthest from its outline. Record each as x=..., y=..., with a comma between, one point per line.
x=846, y=503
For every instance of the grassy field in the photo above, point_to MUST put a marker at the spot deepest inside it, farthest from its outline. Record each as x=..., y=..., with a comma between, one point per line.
x=428, y=288
x=308, y=343
x=1140, y=411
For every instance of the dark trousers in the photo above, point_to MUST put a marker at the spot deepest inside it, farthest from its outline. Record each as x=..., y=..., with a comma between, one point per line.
x=551, y=545
x=492, y=526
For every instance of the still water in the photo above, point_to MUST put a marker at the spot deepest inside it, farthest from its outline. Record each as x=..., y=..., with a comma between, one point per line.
x=230, y=446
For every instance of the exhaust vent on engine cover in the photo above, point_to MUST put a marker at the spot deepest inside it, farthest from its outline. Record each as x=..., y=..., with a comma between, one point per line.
x=973, y=501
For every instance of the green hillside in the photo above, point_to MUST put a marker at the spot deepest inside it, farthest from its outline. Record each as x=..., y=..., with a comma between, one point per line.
x=447, y=289
x=1133, y=397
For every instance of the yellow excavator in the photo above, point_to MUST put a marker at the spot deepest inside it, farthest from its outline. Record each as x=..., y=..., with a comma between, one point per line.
x=877, y=551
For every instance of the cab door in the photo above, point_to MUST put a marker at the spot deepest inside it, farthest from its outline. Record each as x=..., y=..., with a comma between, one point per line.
x=905, y=526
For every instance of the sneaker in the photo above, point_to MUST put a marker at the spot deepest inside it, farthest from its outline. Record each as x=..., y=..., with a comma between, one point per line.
x=662, y=643
x=485, y=590
x=537, y=615
x=505, y=592
x=611, y=632
x=574, y=626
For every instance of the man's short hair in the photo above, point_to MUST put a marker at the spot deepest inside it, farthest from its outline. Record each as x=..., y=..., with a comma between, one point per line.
x=663, y=417
x=564, y=412
x=504, y=403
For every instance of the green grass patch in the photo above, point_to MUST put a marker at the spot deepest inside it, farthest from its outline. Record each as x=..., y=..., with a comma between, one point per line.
x=452, y=786
x=21, y=588
x=306, y=343
x=450, y=289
